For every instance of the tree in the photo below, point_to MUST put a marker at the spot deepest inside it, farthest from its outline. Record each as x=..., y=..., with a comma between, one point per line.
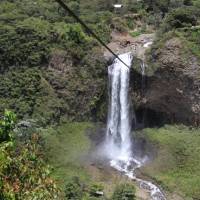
x=180, y=18
x=163, y=6
x=74, y=190
x=6, y=126
x=124, y=192
x=75, y=6
x=188, y=2
x=24, y=43
x=23, y=172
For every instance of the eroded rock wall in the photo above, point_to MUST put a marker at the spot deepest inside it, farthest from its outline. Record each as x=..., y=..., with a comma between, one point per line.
x=174, y=87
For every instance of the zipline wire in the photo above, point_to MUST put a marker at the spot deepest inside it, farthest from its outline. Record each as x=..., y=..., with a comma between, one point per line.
x=65, y=7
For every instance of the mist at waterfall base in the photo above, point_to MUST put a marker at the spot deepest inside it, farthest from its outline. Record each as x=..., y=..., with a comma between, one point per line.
x=118, y=146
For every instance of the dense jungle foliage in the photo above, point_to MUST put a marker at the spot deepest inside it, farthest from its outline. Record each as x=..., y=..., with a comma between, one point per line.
x=43, y=45
x=34, y=37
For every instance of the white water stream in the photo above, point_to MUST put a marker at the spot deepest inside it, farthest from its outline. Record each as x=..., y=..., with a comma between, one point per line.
x=118, y=145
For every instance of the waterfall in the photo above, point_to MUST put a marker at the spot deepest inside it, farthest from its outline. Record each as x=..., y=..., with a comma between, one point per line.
x=119, y=124
x=118, y=145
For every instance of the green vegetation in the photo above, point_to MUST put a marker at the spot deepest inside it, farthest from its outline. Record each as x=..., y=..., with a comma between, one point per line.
x=42, y=45
x=181, y=17
x=23, y=172
x=191, y=37
x=177, y=162
x=124, y=191
x=135, y=33
x=75, y=189
x=54, y=72
x=65, y=148
x=29, y=46
x=36, y=39
x=27, y=92
x=6, y=127
x=181, y=24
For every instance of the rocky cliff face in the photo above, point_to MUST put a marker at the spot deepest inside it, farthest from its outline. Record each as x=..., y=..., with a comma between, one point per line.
x=169, y=92
x=174, y=87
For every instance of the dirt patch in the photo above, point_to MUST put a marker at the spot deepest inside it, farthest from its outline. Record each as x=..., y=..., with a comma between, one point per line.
x=124, y=42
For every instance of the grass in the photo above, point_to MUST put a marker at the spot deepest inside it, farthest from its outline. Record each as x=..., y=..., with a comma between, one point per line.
x=191, y=38
x=177, y=165
x=135, y=33
x=66, y=145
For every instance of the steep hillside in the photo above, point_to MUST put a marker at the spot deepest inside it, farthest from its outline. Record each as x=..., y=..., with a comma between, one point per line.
x=174, y=68
x=176, y=165
x=50, y=67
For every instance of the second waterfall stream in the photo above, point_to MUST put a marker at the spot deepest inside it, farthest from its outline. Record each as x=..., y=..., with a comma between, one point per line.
x=118, y=143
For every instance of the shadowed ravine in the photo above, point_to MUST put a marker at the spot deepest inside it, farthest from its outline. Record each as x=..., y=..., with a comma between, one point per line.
x=118, y=145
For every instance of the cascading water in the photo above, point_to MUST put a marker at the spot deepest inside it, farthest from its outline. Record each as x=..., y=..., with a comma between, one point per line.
x=119, y=126
x=118, y=145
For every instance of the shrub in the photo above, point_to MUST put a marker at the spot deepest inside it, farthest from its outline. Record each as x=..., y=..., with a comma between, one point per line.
x=181, y=17
x=26, y=43
x=23, y=172
x=19, y=89
x=6, y=126
x=124, y=192
x=74, y=189
x=157, y=5
x=95, y=189
x=119, y=24
x=196, y=3
x=135, y=33
x=134, y=6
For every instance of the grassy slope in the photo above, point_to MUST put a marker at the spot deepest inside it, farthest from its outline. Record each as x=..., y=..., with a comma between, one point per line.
x=65, y=145
x=177, y=165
